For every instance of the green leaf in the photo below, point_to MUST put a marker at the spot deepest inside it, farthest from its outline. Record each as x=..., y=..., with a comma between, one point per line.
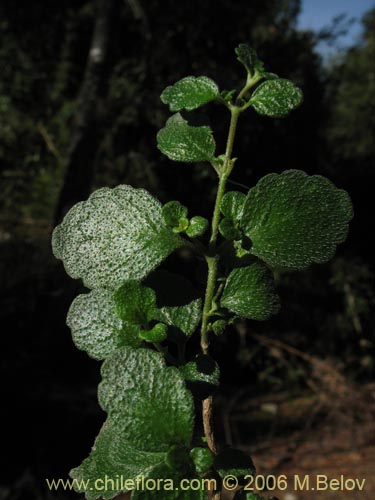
x=112, y=457
x=172, y=212
x=248, y=57
x=187, y=141
x=197, y=227
x=276, y=98
x=250, y=292
x=294, y=219
x=96, y=326
x=116, y=235
x=233, y=462
x=202, y=376
x=190, y=93
x=158, y=333
x=149, y=410
x=232, y=205
x=171, y=486
x=228, y=230
x=178, y=302
x=203, y=459
x=135, y=303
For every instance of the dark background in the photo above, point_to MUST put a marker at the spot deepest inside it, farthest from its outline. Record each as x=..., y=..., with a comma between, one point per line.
x=70, y=123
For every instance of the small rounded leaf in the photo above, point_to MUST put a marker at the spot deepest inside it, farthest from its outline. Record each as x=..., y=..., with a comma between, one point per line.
x=203, y=459
x=197, y=227
x=232, y=205
x=190, y=93
x=228, y=230
x=276, y=98
x=187, y=141
x=294, y=219
x=172, y=212
x=250, y=292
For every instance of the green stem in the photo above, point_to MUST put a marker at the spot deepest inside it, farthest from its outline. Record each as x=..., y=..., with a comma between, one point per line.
x=212, y=259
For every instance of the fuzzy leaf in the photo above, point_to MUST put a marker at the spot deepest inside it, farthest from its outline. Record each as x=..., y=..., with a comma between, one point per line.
x=187, y=141
x=116, y=235
x=232, y=205
x=149, y=410
x=276, y=98
x=202, y=375
x=173, y=211
x=197, y=227
x=135, y=303
x=190, y=93
x=178, y=302
x=203, y=459
x=171, y=486
x=96, y=326
x=294, y=219
x=248, y=57
x=250, y=292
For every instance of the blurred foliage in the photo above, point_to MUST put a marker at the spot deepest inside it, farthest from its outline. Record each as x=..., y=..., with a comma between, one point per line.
x=43, y=54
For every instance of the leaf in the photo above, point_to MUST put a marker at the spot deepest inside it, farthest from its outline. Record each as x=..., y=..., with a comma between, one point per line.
x=228, y=230
x=96, y=327
x=187, y=141
x=276, y=98
x=172, y=212
x=116, y=235
x=250, y=292
x=233, y=462
x=178, y=302
x=197, y=227
x=149, y=410
x=190, y=93
x=135, y=303
x=171, y=486
x=294, y=219
x=202, y=376
x=146, y=400
x=203, y=459
x=248, y=57
x=232, y=205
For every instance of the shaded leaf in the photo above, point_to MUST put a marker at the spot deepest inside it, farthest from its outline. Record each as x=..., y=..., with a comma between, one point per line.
x=248, y=57
x=178, y=302
x=135, y=303
x=171, y=486
x=190, y=93
x=203, y=459
x=250, y=292
x=172, y=212
x=202, y=375
x=116, y=235
x=294, y=219
x=96, y=326
x=276, y=98
x=149, y=410
x=187, y=141
x=232, y=205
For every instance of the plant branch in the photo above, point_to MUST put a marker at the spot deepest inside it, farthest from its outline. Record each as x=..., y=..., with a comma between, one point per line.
x=212, y=264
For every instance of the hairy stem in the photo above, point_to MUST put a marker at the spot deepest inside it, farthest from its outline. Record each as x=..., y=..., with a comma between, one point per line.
x=212, y=263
